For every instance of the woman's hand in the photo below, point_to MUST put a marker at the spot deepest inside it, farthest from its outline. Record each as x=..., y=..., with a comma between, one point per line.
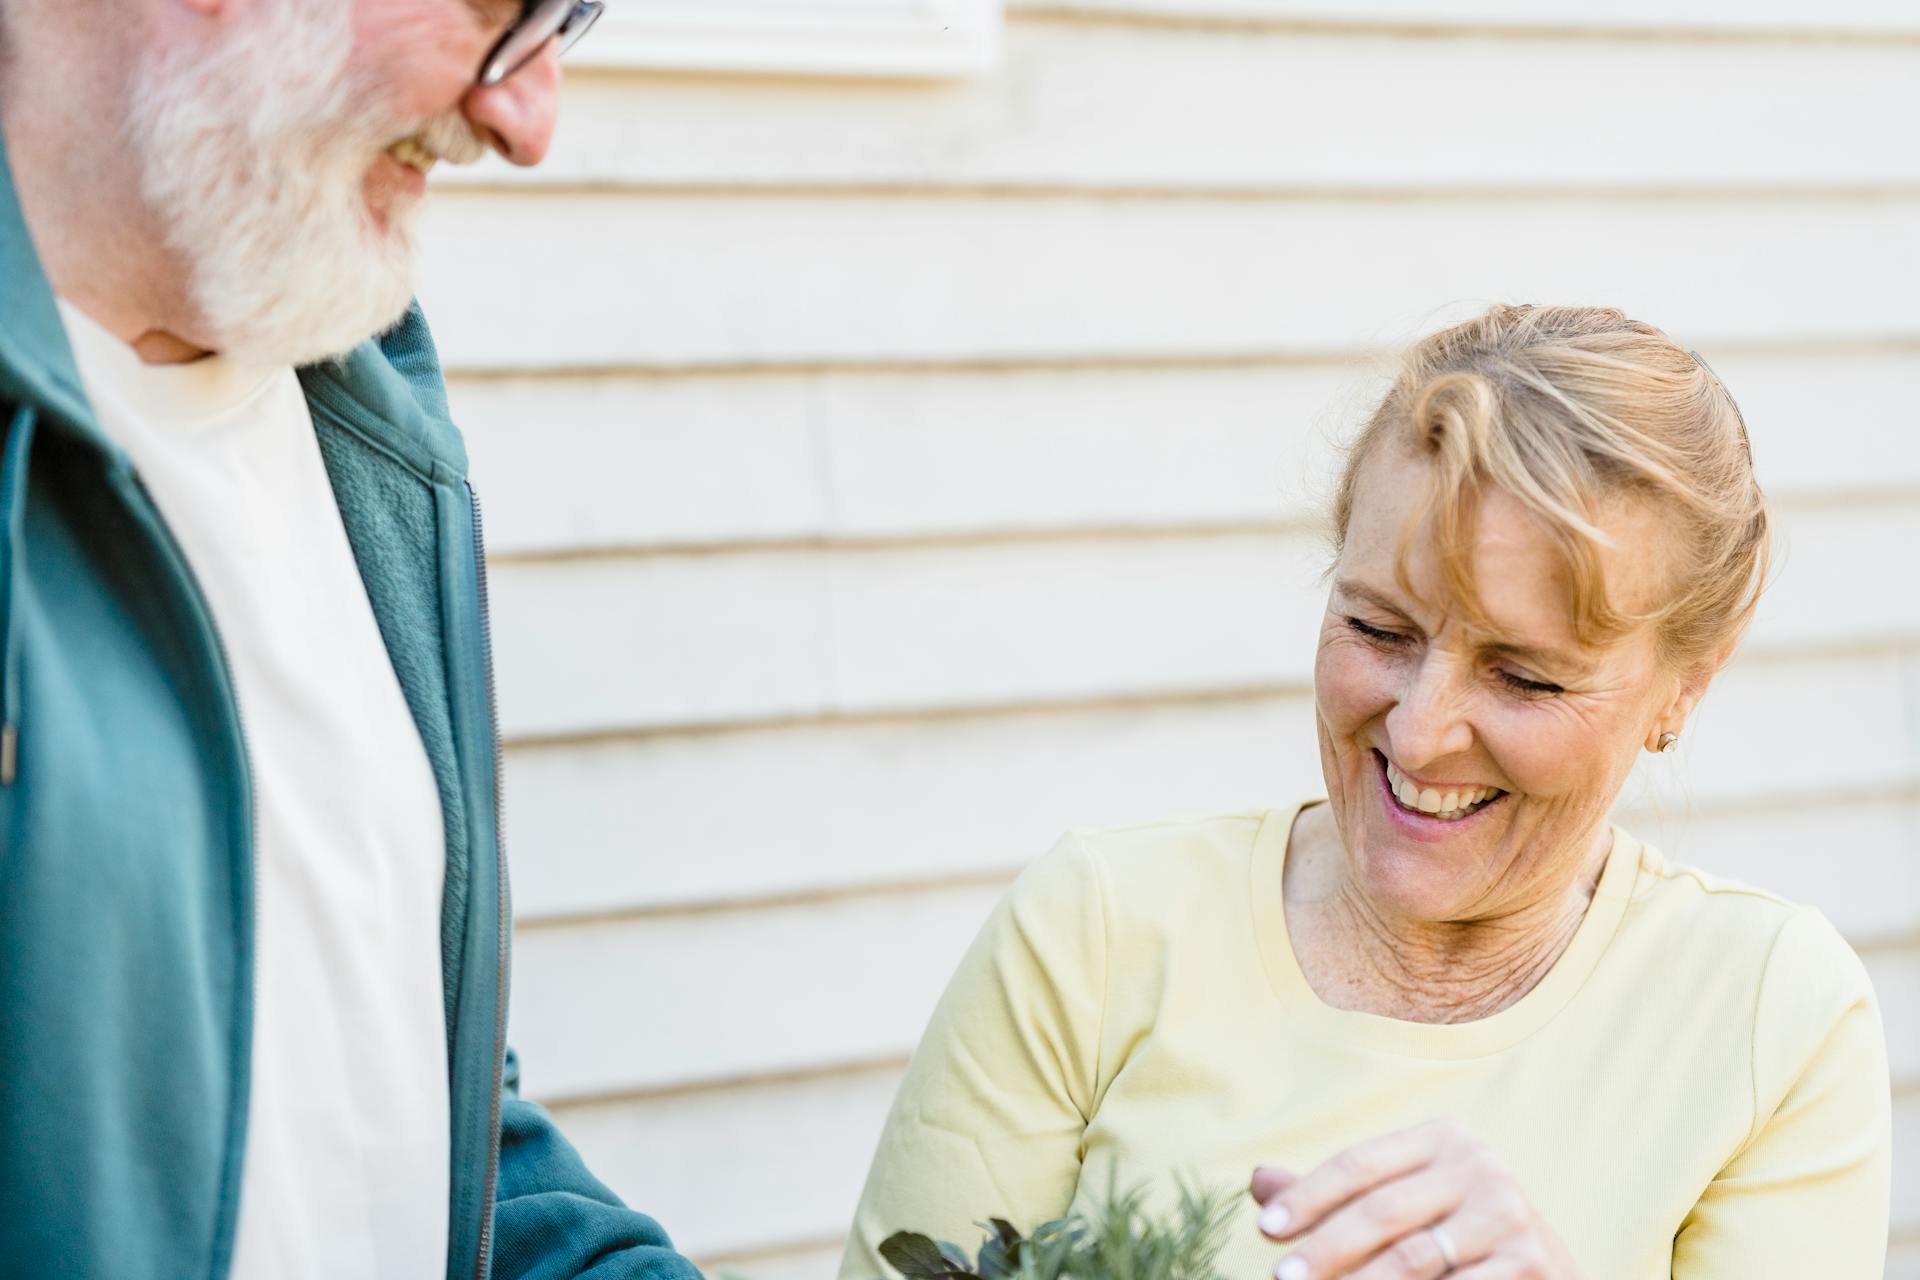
x=1368, y=1213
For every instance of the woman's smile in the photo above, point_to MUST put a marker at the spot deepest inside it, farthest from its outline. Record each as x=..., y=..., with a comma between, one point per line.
x=1453, y=819
x=1440, y=802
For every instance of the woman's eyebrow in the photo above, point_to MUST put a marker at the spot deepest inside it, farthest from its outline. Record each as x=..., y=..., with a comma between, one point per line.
x=1550, y=658
x=1361, y=591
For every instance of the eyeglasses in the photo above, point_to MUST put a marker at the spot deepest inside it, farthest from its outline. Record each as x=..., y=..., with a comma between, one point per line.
x=542, y=20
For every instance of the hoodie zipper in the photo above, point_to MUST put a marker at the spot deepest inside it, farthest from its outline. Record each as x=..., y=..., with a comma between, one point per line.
x=14, y=460
x=483, y=1258
x=353, y=418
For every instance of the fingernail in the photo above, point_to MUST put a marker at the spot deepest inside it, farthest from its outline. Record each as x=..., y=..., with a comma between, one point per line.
x=1273, y=1220
x=1293, y=1268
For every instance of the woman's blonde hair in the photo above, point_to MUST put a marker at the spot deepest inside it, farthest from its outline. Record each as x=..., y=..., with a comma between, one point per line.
x=1567, y=409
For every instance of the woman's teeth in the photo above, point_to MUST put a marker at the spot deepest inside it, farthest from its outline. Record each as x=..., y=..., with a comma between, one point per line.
x=1445, y=805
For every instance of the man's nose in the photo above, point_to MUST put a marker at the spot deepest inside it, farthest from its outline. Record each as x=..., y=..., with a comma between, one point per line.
x=516, y=116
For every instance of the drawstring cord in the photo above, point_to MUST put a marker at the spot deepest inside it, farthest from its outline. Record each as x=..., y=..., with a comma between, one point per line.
x=13, y=506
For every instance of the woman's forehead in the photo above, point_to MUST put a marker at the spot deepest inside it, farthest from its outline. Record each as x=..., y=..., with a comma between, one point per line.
x=1516, y=561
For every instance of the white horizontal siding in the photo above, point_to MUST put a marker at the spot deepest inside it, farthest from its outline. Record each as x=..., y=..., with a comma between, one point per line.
x=1906, y=1165
x=814, y=37
x=805, y=1143
x=1693, y=17
x=840, y=454
x=779, y=634
x=661, y=821
x=702, y=279
x=1239, y=109
x=807, y=1262
x=614, y=462
x=1895, y=969
x=729, y=994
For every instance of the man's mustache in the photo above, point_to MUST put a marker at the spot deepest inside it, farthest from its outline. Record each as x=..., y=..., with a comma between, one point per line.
x=451, y=138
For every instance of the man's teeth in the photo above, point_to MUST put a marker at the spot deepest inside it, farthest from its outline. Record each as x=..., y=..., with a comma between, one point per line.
x=409, y=152
x=1441, y=804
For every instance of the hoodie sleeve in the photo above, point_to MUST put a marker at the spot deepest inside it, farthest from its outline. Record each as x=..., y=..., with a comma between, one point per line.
x=553, y=1220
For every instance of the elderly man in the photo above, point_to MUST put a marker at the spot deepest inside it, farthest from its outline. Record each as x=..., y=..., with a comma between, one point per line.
x=253, y=907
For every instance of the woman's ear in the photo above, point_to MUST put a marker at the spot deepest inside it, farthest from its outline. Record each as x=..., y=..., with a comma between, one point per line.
x=1689, y=687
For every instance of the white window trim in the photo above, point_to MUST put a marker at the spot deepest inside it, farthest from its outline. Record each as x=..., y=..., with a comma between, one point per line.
x=817, y=37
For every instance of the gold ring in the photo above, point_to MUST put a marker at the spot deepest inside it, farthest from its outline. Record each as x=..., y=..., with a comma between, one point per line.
x=1444, y=1243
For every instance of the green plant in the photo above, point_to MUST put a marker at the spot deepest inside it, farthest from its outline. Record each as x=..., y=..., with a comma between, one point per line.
x=1119, y=1240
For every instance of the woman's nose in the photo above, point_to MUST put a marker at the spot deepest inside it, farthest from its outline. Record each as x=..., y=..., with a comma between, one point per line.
x=1428, y=723
x=516, y=116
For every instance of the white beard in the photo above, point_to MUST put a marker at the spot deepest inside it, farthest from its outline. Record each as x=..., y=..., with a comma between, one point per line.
x=253, y=156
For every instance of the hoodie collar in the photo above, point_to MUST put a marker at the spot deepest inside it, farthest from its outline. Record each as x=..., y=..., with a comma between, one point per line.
x=36, y=363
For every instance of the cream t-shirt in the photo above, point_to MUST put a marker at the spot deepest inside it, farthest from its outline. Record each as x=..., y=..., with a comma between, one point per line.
x=1698, y=1088
x=346, y=1164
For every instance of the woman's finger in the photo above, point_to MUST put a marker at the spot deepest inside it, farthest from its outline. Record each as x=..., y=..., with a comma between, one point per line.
x=1269, y=1182
x=1390, y=1220
x=1491, y=1269
x=1418, y=1255
x=1356, y=1170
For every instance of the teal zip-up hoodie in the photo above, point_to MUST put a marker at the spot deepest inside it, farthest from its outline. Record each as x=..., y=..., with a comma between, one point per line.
x=126, y=834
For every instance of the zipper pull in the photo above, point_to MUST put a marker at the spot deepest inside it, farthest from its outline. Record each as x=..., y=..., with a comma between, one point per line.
x=13, y=502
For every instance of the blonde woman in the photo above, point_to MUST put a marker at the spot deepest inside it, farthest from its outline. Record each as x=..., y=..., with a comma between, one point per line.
x=1453, y=1021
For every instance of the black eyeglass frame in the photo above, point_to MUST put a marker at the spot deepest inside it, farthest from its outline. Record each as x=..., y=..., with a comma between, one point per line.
x=544, y=20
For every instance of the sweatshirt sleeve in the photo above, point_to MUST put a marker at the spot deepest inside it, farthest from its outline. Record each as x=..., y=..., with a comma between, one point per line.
x=1809, y=1192
x=990, y=1117
x=553, y=1220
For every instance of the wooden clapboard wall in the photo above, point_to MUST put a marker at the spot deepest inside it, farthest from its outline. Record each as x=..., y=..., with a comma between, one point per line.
x=883, y=475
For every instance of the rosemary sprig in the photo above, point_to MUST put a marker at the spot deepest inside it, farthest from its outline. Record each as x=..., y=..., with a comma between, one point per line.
x=1118, y=1240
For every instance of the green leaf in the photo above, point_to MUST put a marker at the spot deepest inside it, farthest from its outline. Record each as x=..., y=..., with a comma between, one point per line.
x=997, y=1261
x=916, y=1256
x=1001, y=1250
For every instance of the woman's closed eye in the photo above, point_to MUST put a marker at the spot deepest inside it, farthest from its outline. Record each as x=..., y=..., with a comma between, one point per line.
x=1377, y=635
x=1524, y=686
x=1529, y=688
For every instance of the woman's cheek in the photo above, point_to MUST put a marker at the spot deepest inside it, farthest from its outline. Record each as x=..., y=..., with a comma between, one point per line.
x=1541, y=754
x=1352, y=684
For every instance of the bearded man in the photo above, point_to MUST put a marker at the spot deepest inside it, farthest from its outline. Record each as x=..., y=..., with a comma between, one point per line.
x=253, y=908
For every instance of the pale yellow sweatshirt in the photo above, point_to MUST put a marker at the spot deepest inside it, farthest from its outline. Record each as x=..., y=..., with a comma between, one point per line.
x=1697, y=1089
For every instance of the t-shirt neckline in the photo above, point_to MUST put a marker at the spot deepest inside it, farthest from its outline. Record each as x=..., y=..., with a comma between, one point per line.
x=1478, y=1038
x=210, y=389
